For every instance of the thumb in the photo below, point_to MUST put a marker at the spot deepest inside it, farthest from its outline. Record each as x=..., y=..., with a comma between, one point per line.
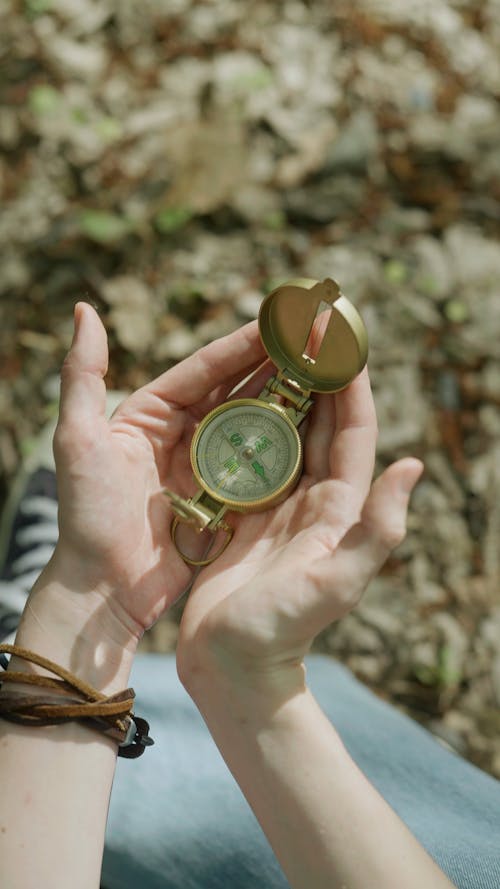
x=83, y=392
x=366, y=546
x=385, y=511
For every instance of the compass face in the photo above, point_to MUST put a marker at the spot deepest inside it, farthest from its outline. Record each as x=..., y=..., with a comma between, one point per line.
x=246, y=453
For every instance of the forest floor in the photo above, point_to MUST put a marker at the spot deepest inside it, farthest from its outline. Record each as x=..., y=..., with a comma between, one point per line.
x=173, y=162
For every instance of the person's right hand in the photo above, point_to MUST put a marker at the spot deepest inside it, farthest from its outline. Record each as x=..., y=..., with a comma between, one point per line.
x=289, y=572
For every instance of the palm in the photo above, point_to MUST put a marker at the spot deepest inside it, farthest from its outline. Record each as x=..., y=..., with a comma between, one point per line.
x=119, y=519
x=113, y=512
x=271, y=553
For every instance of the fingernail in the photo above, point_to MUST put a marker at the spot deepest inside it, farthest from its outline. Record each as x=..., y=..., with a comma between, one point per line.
x=77, y=317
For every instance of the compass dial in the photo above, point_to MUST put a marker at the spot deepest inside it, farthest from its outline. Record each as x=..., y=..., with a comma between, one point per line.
x=247, y=454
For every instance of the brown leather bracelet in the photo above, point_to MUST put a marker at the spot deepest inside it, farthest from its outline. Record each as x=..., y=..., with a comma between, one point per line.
x=111, y=715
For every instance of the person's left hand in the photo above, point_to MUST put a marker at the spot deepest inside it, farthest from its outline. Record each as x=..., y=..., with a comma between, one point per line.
x=114, y=518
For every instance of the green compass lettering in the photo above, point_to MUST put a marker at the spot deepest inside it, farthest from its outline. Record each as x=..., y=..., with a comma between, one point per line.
x=246, y=452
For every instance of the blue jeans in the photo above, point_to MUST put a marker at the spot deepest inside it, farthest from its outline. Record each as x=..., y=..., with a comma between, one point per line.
x=178, y=820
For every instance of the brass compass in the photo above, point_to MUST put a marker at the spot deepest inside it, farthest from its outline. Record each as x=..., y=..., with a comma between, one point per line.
x=246, y=454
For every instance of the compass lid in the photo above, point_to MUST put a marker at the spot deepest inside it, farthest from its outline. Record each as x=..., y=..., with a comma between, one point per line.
x=313, y=334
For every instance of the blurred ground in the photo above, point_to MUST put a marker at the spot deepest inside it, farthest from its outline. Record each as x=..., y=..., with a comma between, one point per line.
x=173, y=161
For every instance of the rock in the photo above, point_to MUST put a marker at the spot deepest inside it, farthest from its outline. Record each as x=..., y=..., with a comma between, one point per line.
x=475, y=259
x=400, y=425
x=438, y=468
x=356, y=144
x=239, y=73
x=82, y=16
x=387, y=624
x=10, y=128
x=15, y=273
x=200, y=181
x=176, y=345
x=257, y=203
x=397, y=220
x=495, y=678
x=132, y=312
x=356, y=268
x=368, y=640
x=248, y=304
x=434, y=275
x=325, y=201
x=309, y=157
x=367, y=667
x=489, y=419
x=160, y=115
x=424, y=655
x=452, y=738
x=420, y=309
x=76, y=58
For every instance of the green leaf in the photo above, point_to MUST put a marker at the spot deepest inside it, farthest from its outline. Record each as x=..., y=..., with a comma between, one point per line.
x=172, y=218
x=448, y=675
x=275, y=221
x=425, y=675
x=427, y=284
x=36, y=7
x=103, y=226
x=109, y=129
x=254, y=81
x=79, y=115
x=28, y=445
x=395, y=271
x=456, y=311
x=443, y=674
x=44, y=99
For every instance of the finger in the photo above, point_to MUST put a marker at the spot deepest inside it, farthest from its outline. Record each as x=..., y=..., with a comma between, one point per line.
x=352, y=453
x=247, y=385
x=342, y=577
x=252, y=386
x=83, y=392
x=217, y=364
x=319, y=437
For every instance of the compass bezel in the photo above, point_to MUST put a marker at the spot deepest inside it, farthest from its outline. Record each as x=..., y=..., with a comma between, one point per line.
x=277, y=495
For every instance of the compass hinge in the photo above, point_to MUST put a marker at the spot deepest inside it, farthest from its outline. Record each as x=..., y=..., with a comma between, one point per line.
x=300, y=402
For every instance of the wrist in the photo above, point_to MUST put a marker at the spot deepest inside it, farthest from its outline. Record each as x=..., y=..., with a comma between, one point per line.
x=240, y=693
x=217, y=665
x=76, y=628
